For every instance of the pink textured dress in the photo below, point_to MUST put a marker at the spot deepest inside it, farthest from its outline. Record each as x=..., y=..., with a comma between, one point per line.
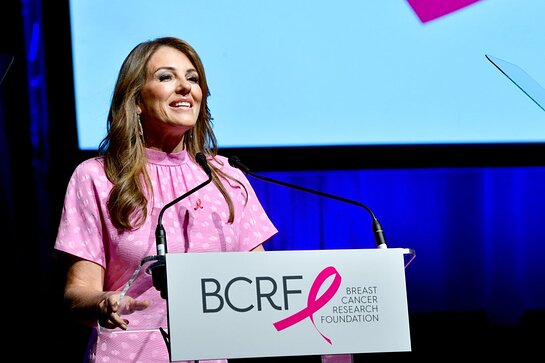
x=196, y=224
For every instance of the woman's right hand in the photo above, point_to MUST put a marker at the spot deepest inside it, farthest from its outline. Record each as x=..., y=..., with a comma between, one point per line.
x=111, y=310
x=87, y=301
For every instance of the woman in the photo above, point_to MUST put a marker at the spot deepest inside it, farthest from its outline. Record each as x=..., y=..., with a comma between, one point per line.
x=158, y=121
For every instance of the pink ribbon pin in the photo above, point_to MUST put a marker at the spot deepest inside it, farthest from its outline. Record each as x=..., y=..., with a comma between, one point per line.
x=314, y=304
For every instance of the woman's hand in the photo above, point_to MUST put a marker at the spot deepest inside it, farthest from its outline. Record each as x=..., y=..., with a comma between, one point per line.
x=111, y=310
x=87, y=301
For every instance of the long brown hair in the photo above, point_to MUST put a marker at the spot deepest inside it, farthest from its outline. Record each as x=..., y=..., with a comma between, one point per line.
x=123, y=148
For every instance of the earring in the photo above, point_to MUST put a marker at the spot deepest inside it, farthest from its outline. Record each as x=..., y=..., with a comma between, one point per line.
x=140, y=128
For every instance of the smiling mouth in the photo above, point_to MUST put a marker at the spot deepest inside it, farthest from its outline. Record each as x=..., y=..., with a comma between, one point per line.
x=182, y=104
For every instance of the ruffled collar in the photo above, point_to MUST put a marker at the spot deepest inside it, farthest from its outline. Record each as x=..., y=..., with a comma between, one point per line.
x=158, y=157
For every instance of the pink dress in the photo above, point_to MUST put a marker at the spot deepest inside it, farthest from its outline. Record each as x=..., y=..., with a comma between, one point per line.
x=198, y=223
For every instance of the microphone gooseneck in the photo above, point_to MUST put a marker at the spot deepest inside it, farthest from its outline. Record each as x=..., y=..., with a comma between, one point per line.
x=160, y=234
x=378, y=232
x=158, y=269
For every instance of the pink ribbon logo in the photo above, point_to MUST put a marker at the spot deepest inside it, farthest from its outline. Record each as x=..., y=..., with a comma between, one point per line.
x=313, y=303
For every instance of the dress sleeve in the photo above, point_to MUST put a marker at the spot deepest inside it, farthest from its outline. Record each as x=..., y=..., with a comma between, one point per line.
x=255, y=225
x=81, y=225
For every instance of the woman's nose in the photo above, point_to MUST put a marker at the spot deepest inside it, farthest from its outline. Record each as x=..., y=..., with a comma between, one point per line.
x=184, y=87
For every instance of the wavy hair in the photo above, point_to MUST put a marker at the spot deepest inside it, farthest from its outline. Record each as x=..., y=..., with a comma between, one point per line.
x=123, y=148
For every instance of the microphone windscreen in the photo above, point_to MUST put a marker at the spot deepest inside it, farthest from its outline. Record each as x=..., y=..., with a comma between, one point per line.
x=201, y=159
x=235, y=162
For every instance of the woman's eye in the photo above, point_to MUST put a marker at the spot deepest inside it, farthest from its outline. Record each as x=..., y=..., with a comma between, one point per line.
x=193, y=79
x=165, y=77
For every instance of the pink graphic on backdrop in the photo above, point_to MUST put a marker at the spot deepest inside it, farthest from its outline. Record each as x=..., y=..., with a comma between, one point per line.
x=314, y=304
x=428, y=10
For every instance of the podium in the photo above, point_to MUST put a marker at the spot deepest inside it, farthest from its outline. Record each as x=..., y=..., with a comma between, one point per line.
x=277, y=303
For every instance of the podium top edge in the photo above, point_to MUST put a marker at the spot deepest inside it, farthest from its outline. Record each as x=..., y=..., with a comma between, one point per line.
x=409, y=251
x=404, y=250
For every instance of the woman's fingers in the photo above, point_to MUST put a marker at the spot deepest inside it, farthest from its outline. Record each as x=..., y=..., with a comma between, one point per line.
x=109, y=317
x=138, y=305
x=129, y=306
x=111, y=311
x=114, y=321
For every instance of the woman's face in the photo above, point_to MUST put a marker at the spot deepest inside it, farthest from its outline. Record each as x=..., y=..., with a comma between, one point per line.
x=170, y=99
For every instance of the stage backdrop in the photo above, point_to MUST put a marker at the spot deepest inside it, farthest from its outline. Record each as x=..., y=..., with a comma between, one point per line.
x=477, y=232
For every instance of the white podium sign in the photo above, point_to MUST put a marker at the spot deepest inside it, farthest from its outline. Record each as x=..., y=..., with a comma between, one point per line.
x=286, y=303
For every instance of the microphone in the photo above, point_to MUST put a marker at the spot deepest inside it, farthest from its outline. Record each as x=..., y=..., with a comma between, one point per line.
x=160, y=234
x=378, y=232
x=158, y=269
